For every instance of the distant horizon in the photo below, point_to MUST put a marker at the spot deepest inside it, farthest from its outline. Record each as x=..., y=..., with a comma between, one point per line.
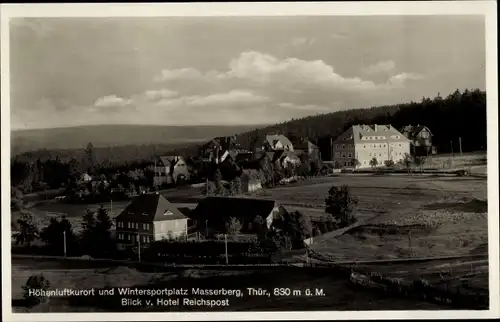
x=144, y=125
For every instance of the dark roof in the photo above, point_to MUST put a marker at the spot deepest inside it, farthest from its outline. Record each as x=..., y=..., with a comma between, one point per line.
x=150, y=207
x=218, y=210
x=414, y=130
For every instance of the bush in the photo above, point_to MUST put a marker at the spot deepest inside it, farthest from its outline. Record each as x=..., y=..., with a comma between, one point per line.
x=35, y=283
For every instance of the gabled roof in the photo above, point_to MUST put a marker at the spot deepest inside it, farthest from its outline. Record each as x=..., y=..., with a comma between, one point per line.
x=150, y=207
x=273, y=139
x=414, y=130
x=358, y=132
x=304, y=144
x=169, y=159
x=218, y=210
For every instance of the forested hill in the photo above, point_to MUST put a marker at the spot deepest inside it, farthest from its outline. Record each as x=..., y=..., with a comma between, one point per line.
x=460, y=114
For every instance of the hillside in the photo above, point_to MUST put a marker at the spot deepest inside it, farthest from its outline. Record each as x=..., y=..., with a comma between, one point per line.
x=460, y=114
x=103, y=136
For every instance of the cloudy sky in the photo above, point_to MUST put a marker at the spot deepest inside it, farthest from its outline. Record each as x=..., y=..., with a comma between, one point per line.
x=222, y=70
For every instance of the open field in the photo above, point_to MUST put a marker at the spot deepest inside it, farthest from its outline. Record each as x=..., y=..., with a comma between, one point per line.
x=457, y=160
x=401, y=216
x=340, y=294
x=444, y=215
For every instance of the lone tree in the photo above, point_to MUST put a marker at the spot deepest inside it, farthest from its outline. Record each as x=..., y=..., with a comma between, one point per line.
x=389, y=163
x=408, y=161
x=96, y=235
x=27, y=230
x=356, y=163
x=340, y=204
x=53, y=235
x=34, y=283
x=374, y=163
x=419, y=162
x=296, y=225
x=233, y=226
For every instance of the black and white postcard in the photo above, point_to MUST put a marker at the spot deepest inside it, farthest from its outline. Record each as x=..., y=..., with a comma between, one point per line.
x=229, y=161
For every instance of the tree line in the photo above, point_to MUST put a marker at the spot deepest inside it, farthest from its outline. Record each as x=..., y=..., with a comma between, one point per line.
x=460, y=114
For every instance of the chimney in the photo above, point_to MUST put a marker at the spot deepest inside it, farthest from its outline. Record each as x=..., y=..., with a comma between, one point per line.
x=375, y=127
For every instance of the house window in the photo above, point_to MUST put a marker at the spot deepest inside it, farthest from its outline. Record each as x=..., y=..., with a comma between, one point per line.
x=168, y=213
x=399, y=144
x=343, y=155
x=337, y=154
x=364, y=146
x=349, y=155
x=380, y=154
x=144, y=226
x=129, y=225
x=128, y=236
x=343, y=146
x=336, y=146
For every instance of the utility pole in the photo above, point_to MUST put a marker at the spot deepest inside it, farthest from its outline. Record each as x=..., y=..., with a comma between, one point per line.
x=225, y=242
x=154, y=170
x=139, y=246
x=460, y=145
x=64, y=236
x=331, y=148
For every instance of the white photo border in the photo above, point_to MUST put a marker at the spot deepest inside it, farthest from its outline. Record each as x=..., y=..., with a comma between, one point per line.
x=486, y=8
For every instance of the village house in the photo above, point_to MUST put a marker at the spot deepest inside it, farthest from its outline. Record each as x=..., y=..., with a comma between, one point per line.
x=421, y=139
x=279, y=142
x=365, y=142
x=170, y=169
x=217, y=149
x=212, y=213
x=149, y=217
x=307, y=149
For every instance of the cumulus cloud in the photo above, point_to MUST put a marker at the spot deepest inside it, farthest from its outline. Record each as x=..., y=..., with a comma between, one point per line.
x=158, y=94
x=111, y=101
x=255, y=88
x=176, y=74
x=380, y=67
x=400, y=79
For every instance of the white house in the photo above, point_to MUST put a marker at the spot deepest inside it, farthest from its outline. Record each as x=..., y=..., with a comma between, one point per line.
x=365, y=142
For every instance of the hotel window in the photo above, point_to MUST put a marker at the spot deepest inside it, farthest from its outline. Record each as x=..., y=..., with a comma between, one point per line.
x=349, y=155
x=343, y=146
x=337, y=154
x=343, y=155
